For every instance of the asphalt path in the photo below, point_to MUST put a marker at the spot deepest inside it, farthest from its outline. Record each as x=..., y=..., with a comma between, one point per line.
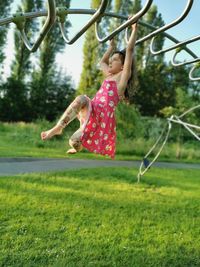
x=13, y=166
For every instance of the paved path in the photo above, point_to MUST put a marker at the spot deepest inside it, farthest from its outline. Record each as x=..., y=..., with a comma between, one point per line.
x=12, y=166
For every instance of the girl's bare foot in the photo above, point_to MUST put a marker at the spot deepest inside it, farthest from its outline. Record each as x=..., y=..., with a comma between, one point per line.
x=56, y=130
x=71, y=151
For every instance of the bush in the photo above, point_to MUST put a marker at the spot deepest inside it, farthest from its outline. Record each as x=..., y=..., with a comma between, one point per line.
x=129, y=123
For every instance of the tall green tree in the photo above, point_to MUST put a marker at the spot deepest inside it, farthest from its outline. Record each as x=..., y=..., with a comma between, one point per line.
x=92, y=51
x=155, y=19
x=49, y=94
x=156, y=90
x=15, y=90
x=52, y=44
x=14, y=105
x=50, y=97
x=21, y=65
x=4, y=12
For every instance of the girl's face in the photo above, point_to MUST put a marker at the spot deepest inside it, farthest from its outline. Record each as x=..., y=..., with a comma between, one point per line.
x=115, y=64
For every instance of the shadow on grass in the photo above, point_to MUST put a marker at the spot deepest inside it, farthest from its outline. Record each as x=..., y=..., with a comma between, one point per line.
x=109, y=220
x=181, y=179
x=187, y=180
x=100, y=190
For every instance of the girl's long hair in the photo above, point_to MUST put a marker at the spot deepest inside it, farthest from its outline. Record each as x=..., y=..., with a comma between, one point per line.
x=132, y=85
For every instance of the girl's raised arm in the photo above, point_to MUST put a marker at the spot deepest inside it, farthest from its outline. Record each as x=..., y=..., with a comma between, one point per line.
x=104, y=62
x=126, y=72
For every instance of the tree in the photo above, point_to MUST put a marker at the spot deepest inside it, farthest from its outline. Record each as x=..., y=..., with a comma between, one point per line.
x=91, y=76
x=22, y=64
x=50, y=97
x=14, y=105
x=4, y=12
x=50, y=90
x=156, y=90
x=15, y=92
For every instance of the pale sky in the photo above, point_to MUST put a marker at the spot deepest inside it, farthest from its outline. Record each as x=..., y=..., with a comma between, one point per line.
x=71, y=59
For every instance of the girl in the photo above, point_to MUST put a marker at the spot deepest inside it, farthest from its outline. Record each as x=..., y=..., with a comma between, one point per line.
x=97, y=130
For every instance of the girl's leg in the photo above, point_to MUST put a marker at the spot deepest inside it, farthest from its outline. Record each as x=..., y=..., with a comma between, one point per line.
x=70, y=114
x=75, y=142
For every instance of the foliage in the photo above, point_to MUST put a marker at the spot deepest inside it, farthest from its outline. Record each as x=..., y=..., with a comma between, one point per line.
x=184, y=102
x=50, y=90
x=4, y=12
x=41, y=90
x=40, y=98
x=91, y=76
x=14, y=105
x=50, y=97
x=41, y=93
x=22, y=64
x=129, y=123
x=51, y=46
x=23, y=140
x=156, y=90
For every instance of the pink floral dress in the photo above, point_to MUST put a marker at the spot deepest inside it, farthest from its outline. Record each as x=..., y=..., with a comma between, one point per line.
x=99, y=129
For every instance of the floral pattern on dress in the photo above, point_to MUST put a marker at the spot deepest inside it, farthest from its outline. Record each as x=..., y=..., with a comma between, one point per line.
x=99, y=135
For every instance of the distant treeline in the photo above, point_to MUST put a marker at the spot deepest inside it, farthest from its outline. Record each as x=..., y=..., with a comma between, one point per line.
x=36, y=88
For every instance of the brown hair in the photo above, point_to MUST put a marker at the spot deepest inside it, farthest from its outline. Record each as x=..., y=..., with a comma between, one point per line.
x=132, y=84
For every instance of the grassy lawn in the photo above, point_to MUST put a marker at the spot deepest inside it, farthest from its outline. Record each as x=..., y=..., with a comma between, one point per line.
x=101, y=217
x=23, y=140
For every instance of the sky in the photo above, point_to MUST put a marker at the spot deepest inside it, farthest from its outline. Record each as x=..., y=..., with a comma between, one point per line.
x=72, y=58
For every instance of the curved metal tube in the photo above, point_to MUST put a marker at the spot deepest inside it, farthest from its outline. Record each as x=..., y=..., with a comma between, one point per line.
x=172, y=119
x=51, y=17
x=170, y=25
x=177, y=120
x=188, y=111
x=5, y=21
x=142, y=172
x=192, y=78
x=171, y=38
x=31, y=15
x=176, y=64
x=125, y=24
x=98, y=14
x=187, y=126
x=180, y=44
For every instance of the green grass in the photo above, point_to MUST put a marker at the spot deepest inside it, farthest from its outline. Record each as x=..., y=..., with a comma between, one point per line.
x=101, y=217
x=23, y=140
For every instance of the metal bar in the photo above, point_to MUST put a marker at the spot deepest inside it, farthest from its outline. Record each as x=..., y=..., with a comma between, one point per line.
x=44, y=13
x=189, y=110
x=97, y=15
x=192, y=78
x=175, y=119
x=124, y=25
x=5, y=21
x=51, y=17
x=186, y=62
x=188, y=128
x=41, y=13
x=180, y=44
x=142, y=172
x=182, y=123
x=170, y=25
x=171, y=38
